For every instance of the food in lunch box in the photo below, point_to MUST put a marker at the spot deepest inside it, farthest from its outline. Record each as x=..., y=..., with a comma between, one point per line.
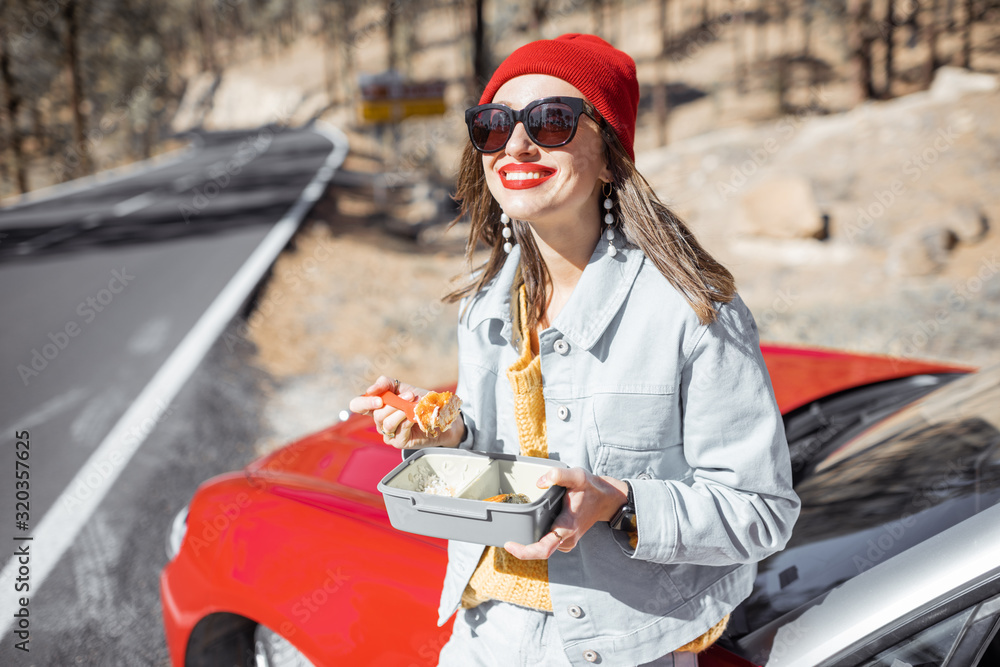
x=428, y=482
x=512, y=498
x=434, y=413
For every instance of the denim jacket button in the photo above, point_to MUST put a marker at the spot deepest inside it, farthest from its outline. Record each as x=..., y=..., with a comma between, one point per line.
x=563, y=412
x=591, y=656
x=575, y=611
x=561, y=346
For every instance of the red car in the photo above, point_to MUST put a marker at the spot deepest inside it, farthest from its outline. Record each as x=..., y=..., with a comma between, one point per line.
x=292, y=561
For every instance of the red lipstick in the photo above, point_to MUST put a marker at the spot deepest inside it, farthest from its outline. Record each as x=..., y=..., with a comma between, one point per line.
x=520, y=176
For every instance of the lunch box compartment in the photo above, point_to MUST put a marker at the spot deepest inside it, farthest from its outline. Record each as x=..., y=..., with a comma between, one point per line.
x=502, y=476
x=455, y=472
x=474, y=476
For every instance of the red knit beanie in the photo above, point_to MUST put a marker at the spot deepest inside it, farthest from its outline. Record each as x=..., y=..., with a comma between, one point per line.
x=605, y=76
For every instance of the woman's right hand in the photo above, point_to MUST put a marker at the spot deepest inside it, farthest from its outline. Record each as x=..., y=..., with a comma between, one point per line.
x=395, y=428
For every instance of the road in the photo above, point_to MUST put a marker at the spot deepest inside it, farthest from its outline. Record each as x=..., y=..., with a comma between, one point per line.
x=104, y=288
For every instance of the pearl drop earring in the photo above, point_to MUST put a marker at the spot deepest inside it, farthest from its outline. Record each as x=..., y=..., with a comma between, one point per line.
x=609, y=219
x=505, y=219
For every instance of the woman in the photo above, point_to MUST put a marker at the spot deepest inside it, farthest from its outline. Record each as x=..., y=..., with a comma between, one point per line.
x=601, y=333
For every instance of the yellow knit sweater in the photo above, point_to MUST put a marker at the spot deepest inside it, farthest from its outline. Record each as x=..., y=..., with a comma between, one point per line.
x=499, y=575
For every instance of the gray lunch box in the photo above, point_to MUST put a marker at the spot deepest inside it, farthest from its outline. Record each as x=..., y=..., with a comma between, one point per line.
x=471, y=476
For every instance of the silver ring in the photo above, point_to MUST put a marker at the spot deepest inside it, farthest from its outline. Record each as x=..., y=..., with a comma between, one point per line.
x=395, y=386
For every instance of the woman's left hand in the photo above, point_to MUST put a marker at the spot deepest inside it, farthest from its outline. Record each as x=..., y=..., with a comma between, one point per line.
x=589, y=499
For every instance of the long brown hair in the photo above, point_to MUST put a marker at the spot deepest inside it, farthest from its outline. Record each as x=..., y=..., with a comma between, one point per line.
x=642, y=219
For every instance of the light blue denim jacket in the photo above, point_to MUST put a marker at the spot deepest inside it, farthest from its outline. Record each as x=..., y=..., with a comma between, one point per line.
x=637, y=388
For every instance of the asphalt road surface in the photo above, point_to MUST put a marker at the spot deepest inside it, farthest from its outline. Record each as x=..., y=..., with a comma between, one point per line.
x=99, y=287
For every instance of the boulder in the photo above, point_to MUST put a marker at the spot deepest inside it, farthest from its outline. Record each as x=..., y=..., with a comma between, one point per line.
x=951, y=83
x=968, y=223
x=921, y=252
x=782, y=207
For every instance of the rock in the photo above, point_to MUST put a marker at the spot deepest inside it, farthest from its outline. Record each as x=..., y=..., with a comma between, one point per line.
x=968, y=223
x=782, y=207
x=951, y=83
x=242, y=101
x=920, y=253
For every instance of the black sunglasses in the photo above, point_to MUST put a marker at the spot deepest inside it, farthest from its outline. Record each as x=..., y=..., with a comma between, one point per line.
x=549, y=122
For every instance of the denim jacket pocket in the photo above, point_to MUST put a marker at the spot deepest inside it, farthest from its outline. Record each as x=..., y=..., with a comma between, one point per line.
x=642, y=585
x=638, y=435
x=691, y=579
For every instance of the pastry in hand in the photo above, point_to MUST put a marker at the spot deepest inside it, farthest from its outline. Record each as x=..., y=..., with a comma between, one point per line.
x=434, y=413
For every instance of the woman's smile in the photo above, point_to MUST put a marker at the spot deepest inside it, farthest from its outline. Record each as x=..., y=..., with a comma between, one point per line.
x=520, y=176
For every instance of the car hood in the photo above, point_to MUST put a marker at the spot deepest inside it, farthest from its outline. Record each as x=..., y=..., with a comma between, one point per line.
x=348, y=456
x=803, y=374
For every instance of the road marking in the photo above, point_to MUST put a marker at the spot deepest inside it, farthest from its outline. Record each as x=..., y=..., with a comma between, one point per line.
x=77, y=503
x=123, y=208
x=48, y=410
x=184, y=182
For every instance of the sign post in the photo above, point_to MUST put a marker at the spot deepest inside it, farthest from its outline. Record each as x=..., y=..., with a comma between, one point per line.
x=387, y=98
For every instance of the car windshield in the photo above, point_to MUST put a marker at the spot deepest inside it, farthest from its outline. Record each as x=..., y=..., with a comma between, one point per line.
x=917, y=472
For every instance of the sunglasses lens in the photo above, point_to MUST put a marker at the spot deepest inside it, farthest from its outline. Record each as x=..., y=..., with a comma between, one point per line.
x=490, y=129
x=550, y=124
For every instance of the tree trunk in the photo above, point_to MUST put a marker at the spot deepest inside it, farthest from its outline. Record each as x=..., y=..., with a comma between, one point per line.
x=206, y=34
x=739, y=57
x=38, y=130
x=71, y=12
x=149, y=137
x=933, y=61
x=782, y=18
x=480, y=57
x=390, y=34
x=13, y=104
x=327, y=21
x=807, y=20
x=889, y=35
x=967, y=35
x=760, y=33
x=539, y=12
x=664, y=18
x=861, y=47
x=347, y=10
x=781, y=85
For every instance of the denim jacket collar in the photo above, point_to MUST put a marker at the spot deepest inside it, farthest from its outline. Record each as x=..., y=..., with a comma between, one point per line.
x=595, y=300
